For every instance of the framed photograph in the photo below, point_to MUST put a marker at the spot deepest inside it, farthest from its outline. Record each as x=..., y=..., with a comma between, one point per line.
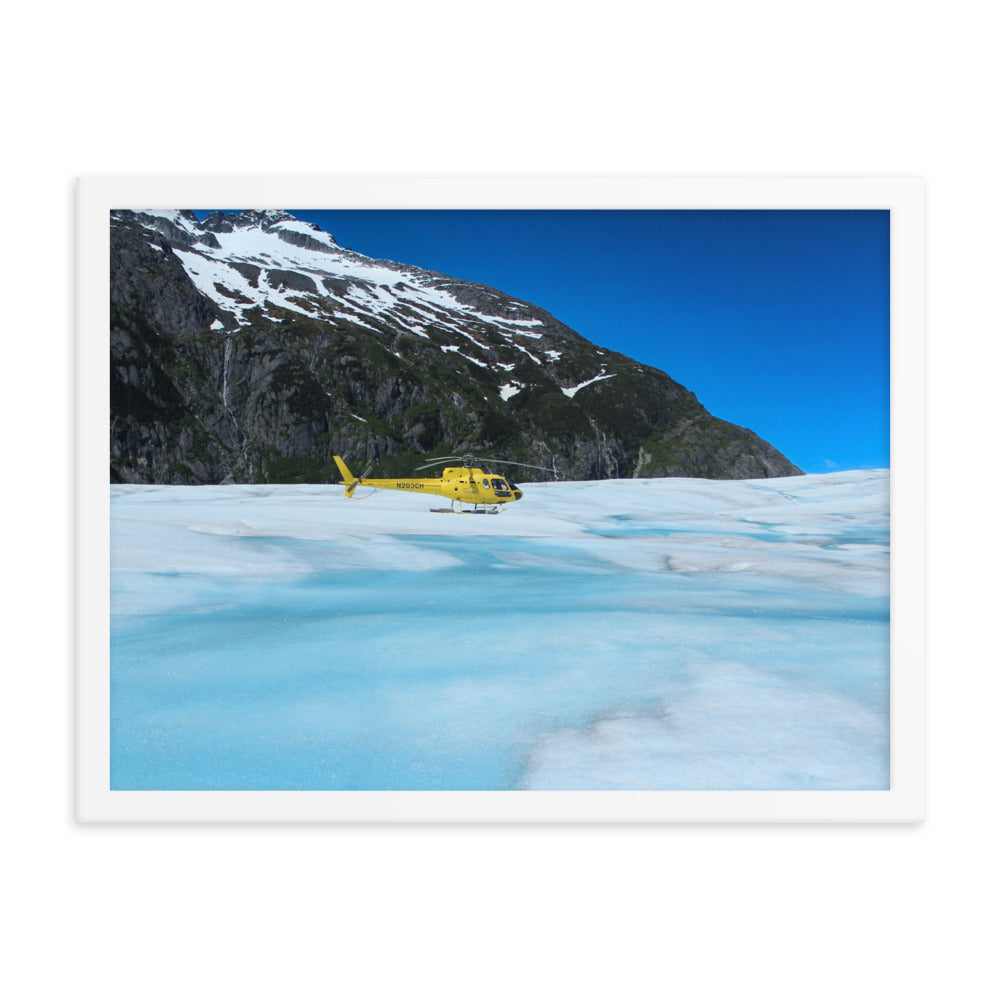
x=491, y=500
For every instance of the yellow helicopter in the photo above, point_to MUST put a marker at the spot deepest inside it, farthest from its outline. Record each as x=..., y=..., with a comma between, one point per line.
x=463, y=484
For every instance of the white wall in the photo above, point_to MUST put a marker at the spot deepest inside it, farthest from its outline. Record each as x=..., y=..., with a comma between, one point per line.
x=854, y=88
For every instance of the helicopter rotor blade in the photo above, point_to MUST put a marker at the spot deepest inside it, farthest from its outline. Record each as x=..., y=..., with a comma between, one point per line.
x=524, y=465
x=469, y=459
x=439, y=461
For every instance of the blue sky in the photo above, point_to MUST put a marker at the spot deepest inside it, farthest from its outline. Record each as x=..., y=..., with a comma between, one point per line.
x=777, y=320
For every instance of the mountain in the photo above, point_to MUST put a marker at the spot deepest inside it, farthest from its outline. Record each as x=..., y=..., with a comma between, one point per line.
x=252, y=347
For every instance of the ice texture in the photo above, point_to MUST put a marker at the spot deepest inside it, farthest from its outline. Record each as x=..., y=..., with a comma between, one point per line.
x=622, y=634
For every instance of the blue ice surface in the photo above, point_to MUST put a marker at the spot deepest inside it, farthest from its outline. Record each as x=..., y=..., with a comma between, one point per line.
x=456, y=678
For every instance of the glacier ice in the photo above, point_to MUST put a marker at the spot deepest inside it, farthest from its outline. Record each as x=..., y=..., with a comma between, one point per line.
x=628, y=634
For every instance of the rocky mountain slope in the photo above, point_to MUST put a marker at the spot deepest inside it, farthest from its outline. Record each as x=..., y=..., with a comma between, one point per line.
x=251, y=347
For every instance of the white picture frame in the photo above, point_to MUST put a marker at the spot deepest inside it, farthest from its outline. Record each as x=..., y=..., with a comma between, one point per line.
x=903, y=801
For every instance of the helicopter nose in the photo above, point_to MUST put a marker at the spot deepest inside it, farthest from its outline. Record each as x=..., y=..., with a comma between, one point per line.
x=518, y=494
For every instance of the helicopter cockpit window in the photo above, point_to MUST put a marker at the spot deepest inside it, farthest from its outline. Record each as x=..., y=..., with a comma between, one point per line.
x=499, y=484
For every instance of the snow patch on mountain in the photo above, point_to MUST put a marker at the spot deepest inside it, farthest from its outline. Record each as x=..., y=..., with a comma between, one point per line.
x=226, y=286
x=448, y=349
x=571, y=392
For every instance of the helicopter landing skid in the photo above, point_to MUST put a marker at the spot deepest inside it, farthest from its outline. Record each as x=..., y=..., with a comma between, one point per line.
x=475, y=510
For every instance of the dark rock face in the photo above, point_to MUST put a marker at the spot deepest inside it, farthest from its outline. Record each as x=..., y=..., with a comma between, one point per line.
x=184, y=235
x=277, y=278
x=267, y=373
x=147, y=280
x=304, y=240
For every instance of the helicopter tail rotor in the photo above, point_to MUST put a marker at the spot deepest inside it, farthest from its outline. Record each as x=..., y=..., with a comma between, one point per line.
x=351, y=482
